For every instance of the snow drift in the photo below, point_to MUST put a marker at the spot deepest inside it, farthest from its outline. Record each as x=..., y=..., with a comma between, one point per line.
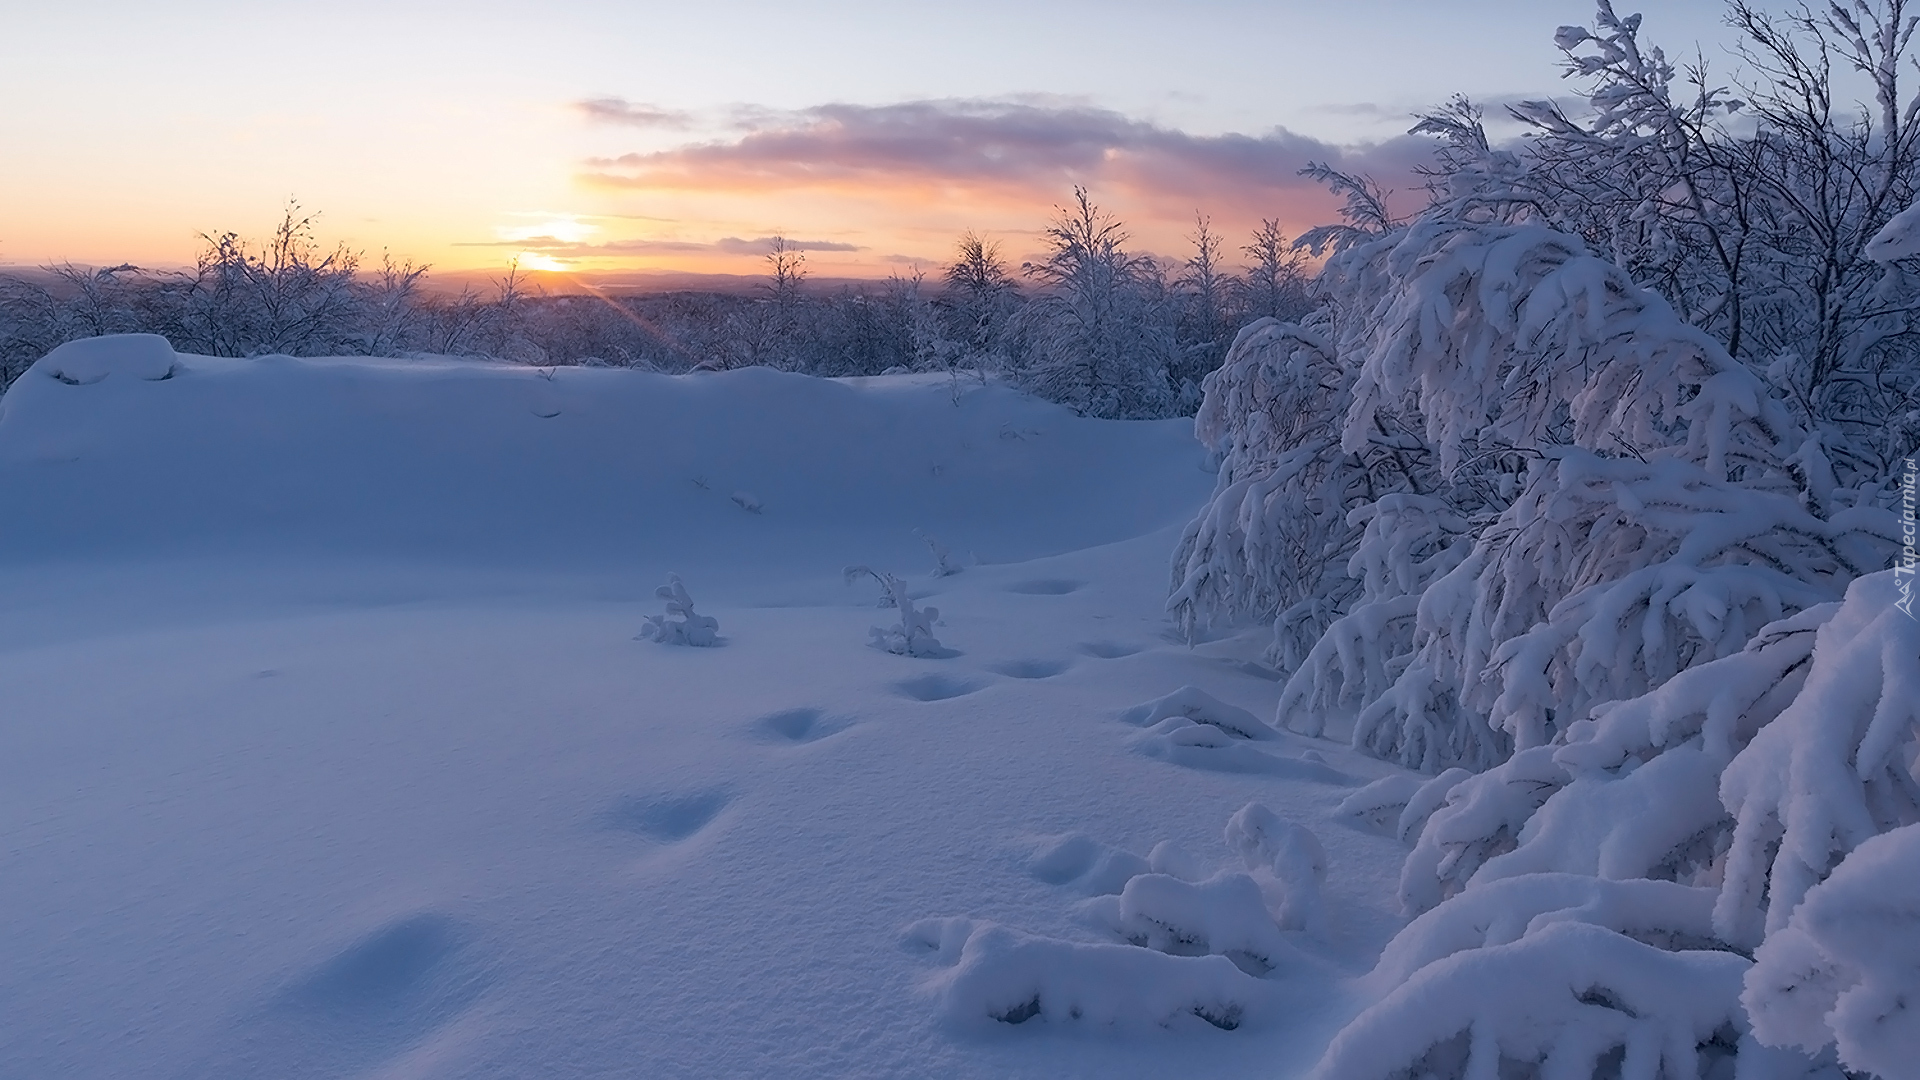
x=117, y=448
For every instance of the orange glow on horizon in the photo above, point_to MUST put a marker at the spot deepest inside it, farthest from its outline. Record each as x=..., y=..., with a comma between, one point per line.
x=533, y=260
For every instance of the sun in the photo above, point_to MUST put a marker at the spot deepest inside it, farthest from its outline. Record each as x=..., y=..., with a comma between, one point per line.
x=565, y=228
x=533, y=260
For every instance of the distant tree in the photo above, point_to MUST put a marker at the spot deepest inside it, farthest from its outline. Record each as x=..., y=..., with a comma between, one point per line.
x=1275, y=285
x=770, y=334
x=287, y=296
x=979, y=295
x=391, y=313
x=1205, y=291
x=786, y=271
x=1096, y=337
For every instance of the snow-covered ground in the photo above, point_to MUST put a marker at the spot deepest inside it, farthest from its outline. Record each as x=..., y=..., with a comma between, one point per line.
x=330, y=750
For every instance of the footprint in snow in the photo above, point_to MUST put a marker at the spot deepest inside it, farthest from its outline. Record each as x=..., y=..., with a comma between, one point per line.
x=797, y=726
x=668, y=819
x=936, y=687
x=369, y=1002
x=1030, y=669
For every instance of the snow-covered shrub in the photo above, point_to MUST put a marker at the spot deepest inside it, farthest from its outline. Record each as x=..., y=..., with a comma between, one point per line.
x=1658, y=524
x=1610, y=575
x=1190, y=727
x=680, y=625
x=1501, y=336
x=1564, y=999
x=1226, y=915
x=913, y=635
x=1633, y=790
x=1549, y=493
x=1845, y=969
x=1193, y=704
x=1169, y=905
x=1630, y=791
x=1733, y=789
x=1660, y=820
x=1287, y=862
x=1000, y=974
x=1182, y=944
x=1652, y=458
x=1656, y=912
x=1751, y=208
x=1552, y=975
x=1406, y=541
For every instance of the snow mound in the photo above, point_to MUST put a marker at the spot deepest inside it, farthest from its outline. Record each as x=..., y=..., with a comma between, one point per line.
x=1192, y=728
x=1225, y=915
x=448, y=461
x=92, y=360
x=999, y=975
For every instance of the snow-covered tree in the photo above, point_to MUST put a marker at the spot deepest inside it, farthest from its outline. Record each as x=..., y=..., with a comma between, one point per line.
x=1643, y=502
x=285, y=296
x=1747, y=203
x=980, y=296
x=1275, y=534
x=1274, y=284
x=1095, y=336
x=1205, y=292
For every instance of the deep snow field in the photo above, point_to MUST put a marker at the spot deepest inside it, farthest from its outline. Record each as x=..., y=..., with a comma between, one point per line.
x=327, y=747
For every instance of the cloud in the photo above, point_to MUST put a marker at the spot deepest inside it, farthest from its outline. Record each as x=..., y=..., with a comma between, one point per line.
x=726, y=245
x=1002, y=147
x=633, y=113
x=733, y=245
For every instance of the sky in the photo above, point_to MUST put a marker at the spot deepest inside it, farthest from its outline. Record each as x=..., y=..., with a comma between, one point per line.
x=594, y=136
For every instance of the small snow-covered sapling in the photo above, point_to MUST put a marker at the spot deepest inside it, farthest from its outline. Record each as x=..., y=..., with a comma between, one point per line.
x=944, y=563
x=680, y=626
x=914, y=634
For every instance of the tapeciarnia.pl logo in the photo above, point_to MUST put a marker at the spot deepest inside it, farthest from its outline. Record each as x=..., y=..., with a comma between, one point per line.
x=1903, y=567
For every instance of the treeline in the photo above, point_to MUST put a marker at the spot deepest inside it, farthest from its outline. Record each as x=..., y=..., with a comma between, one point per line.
x=1091, y=324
